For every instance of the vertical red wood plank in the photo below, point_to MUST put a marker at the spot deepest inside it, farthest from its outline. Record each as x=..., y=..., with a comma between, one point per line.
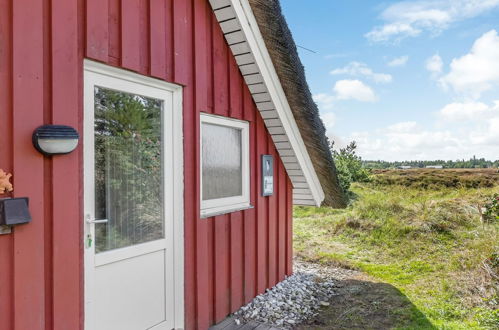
x=144, y=37
x=236, y=260
x=282, y=213
x=158, y=34
x=221, y=267
x=130, y=29
x=6, y=278
x=168, y=26
x=262, y=215
x=47, y=167
x=203, y=293
x=203, y=284
x=203, y=297
x=182, y=32
x=81, y=54
x=210, y=272
x=66, y=73
x=114, y=27
x=183, y=24
x=210, y=17
x=272, y=224
x=250, y=114
x=97, y=30
x=250, y=215
x=277, y=206
x=6, y=241
x=289, y=228
x=235, y=81
x=249, y=255
x=29, y=295
x=220, y=72
x=6, y=90
x=202, y=49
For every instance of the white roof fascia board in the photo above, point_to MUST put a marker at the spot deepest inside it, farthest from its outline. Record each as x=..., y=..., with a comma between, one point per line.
x=256, y=43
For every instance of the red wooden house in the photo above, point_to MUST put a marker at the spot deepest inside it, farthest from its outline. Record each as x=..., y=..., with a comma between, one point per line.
x=197, y=134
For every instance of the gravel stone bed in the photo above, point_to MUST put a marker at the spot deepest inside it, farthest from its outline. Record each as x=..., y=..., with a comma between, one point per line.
x=292, y=301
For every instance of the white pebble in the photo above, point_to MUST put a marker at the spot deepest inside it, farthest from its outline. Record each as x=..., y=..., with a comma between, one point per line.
x=293, y=300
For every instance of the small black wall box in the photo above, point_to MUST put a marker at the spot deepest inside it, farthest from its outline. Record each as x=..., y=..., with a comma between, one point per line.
x=14, y=211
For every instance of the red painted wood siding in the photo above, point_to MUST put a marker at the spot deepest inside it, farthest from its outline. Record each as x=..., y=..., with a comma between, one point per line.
x=229, y=258
x=41, y=54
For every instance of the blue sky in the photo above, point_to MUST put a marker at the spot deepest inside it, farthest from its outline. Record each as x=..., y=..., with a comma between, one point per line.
x=405, y=79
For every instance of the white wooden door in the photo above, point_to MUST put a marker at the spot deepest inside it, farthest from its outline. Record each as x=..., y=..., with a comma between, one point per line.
x=130, y=201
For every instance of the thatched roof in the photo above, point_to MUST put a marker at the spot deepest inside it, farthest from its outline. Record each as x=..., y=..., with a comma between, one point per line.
x=284, y=55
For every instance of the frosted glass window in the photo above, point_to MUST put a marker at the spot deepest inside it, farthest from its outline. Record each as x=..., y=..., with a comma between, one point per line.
x=224, y=165
x=222, y=168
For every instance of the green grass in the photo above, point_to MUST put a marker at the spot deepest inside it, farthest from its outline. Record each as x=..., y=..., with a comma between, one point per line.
x=429, y=244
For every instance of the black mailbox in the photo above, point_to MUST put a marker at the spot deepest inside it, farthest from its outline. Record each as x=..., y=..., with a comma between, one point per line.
x=14, y=211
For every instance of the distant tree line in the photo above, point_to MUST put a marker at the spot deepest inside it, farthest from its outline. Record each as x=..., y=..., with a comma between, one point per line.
x=470, y=163
x=350, y=167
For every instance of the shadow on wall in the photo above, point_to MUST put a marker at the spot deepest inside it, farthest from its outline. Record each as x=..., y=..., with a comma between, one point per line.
x=368, y=305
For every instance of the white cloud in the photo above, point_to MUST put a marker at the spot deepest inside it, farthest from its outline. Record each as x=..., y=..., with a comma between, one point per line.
x=420, y=142
x=435, y=65
x=469, y=111
x=463, y=130
x=398, y=61
x=488, y=137
x=417, y=144
x=345, y=90
x=477, y=71
x=393, y=146
x=329, y=120
x=387, y=31
x=403, y=127
x=324, y=101
x=361, y=69
x=354, y=90
x=411, y=18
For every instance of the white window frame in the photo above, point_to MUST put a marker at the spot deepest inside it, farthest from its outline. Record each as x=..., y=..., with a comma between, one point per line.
x=224, y=205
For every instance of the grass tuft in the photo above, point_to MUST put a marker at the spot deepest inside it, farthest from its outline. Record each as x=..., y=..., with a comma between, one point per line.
x=431, y=244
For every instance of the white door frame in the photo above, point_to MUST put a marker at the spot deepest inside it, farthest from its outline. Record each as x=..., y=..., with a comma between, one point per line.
x=176, y=239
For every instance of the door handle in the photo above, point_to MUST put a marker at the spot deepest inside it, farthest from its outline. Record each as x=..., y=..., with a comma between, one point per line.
x=94, y=221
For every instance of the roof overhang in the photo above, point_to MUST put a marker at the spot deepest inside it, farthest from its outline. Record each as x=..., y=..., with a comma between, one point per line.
x=246, y=42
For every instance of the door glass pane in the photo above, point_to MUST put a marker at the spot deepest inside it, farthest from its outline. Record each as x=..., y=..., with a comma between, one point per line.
x=222, y=163
x=128, y=169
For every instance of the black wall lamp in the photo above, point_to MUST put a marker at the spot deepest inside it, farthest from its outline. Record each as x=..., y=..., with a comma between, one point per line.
x=55, y=139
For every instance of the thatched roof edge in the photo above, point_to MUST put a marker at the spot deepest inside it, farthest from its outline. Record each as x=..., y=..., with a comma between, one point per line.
x=283, y=52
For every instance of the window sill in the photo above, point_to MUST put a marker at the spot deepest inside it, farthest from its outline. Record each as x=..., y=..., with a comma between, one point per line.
x=208, y=214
